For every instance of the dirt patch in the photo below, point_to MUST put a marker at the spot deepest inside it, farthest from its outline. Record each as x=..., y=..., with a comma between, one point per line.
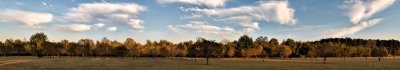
x=13, y=62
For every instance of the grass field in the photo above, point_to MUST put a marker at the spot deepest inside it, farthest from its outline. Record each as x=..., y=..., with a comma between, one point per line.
x=128, y=63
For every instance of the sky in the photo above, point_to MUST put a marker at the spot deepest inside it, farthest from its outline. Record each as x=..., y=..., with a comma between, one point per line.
x=183, y=20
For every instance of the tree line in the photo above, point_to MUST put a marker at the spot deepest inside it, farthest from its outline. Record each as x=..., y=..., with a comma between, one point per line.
x=262, y=47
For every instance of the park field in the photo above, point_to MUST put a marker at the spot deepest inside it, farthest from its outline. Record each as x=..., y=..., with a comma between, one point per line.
x=142, y=63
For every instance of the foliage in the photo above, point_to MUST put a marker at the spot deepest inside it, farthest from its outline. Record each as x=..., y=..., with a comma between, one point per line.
x=38, y=45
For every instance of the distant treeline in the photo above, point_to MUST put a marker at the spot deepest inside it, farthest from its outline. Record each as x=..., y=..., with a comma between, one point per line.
x=245, y=46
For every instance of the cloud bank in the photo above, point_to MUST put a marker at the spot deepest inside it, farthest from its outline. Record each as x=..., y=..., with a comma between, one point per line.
x=209, y=3
x=360, y=12
x=116, y=13
x=26, y=18
x=76, y=27
x=247, y=16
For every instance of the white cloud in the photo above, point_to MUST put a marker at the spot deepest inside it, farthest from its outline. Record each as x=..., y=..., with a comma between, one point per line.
x=124, y=13
x=135, y=23
x=74, y=27
x=99, y=25
x=247, y=16
x=245, y=21
x=29, y=19
x=193, y=16
x=363, y=9
x=199, y=26
x=354, y=29
x=360, y=12
x=203, y=28
x=175, y=29
x=209, y=3
x=44, y=3
x=112, y=29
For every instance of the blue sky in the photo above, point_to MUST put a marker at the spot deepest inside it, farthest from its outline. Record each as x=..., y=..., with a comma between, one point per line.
x=182, y=20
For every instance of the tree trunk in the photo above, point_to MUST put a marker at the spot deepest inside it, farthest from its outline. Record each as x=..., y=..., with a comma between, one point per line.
x=344, y=58
x=207, y=60
x=195, y=59
x=263, y=58
x=324, y=60
x=379, y=58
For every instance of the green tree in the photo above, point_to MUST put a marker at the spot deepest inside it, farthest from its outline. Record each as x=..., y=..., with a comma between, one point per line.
x=37, y=42
x=272, y=48
x=380, y=52
x=207, y=47
x=347, y=51
x=245, y=42
x=326, y=49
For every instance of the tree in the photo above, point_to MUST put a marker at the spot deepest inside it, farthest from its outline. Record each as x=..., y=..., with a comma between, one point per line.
x=306, y=48
x=85, y=47
x=103, y=47
x=365, y=52
x=263, y=42
x=284, y=51
x=245, y=42
x=206, y=46
x=118, y=49
x=65, y=45
x=132, y=46
x=292, y=45
x=71, y=49
x=184, y=48
x=2, y=48
x=151, y=48
x=380, y=52
x=37, y=42
x=18, y=48
x=347, y=51
x=326, y=49
x=231, y=49
x=8, y=47
x=272, y=47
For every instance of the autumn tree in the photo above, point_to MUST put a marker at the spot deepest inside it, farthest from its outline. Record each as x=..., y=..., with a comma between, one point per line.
x=284, y=51
x=65, y=46
x=103, y=47
x=132, y=46
x=230, y=49
x=85, y=47
x=262, y=42
x=292, y=45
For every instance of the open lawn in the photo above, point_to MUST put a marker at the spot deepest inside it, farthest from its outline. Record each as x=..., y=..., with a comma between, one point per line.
x=141, y=63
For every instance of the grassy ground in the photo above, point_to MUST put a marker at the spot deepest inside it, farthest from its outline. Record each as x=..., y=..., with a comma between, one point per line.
x=127, y=63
